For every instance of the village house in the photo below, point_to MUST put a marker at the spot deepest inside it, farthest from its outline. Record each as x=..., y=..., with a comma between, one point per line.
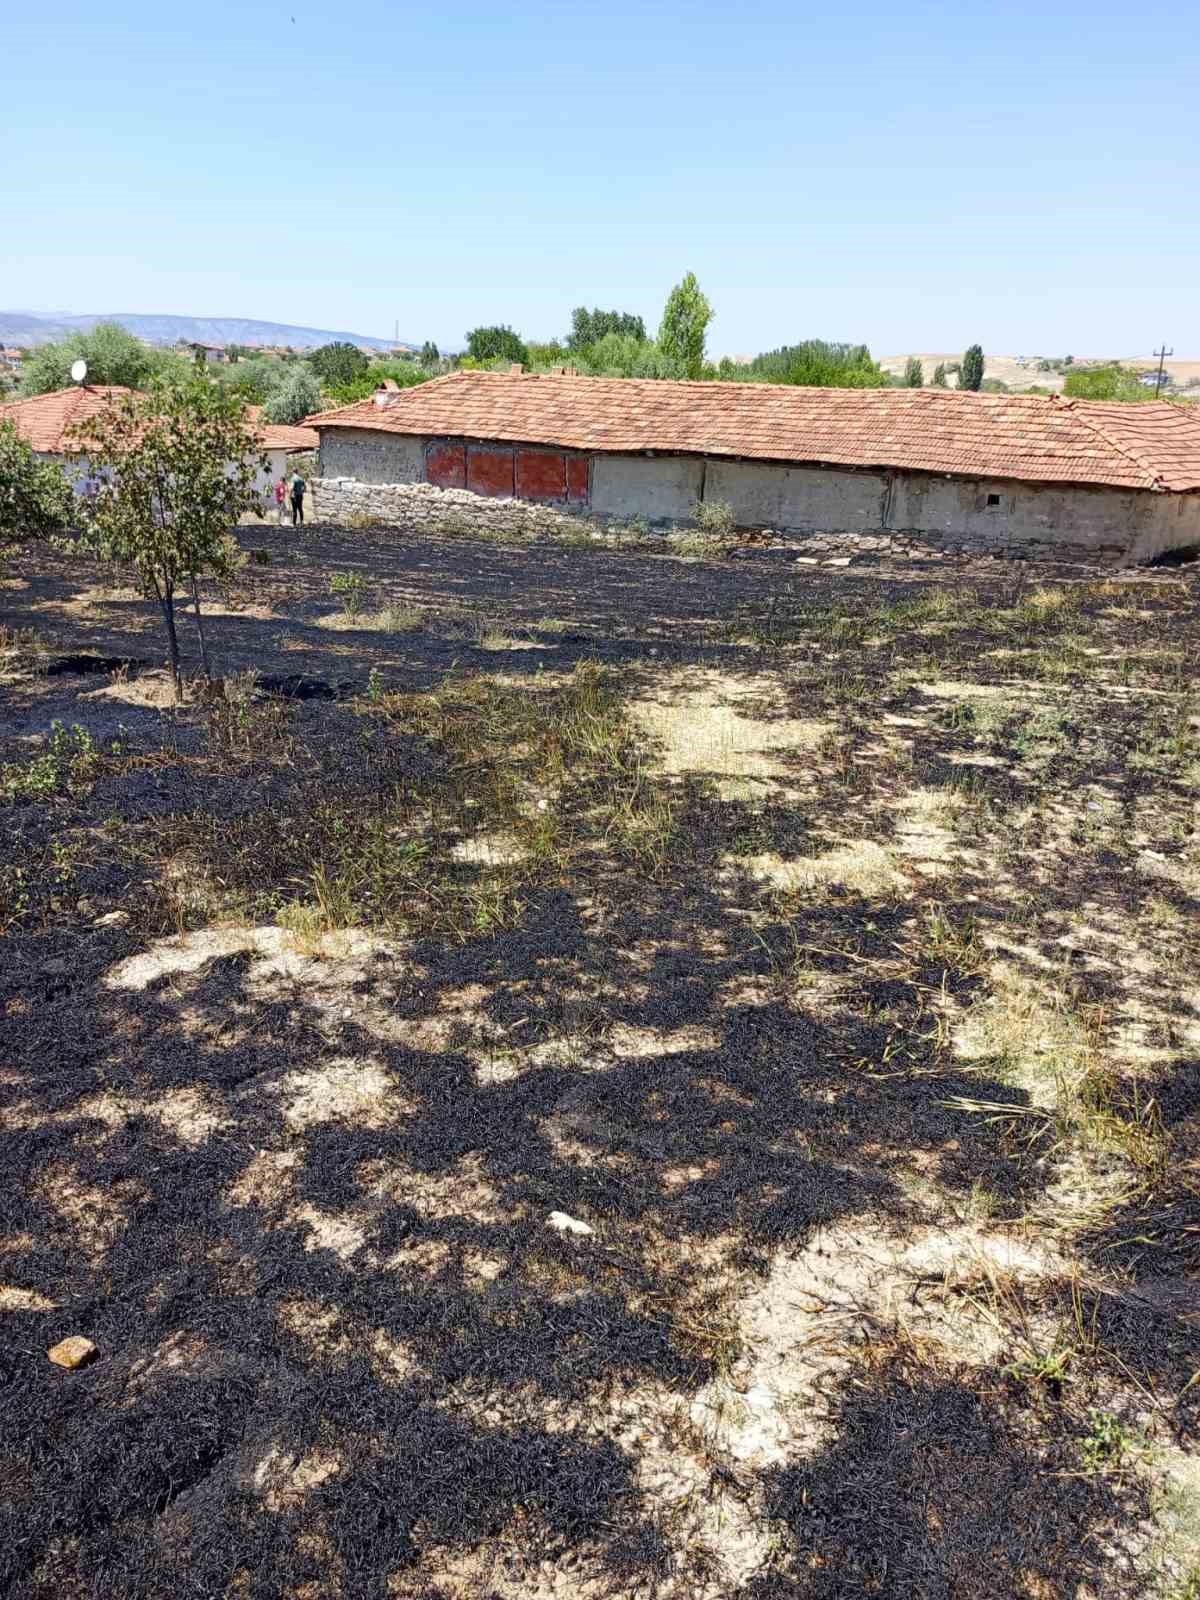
x=48, y=422
x=209, y=354
x=1032, y=474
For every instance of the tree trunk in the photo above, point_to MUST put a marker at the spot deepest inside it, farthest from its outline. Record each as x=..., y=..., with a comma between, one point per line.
x=200, y=630
x=168, y=610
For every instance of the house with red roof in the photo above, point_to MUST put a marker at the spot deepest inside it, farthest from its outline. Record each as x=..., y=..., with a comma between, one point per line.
x=50, y=424
x=1033, y=473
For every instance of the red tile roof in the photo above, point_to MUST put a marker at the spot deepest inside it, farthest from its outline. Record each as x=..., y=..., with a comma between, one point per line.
x=45, y=420
x=281, y=436
x=1035, y=438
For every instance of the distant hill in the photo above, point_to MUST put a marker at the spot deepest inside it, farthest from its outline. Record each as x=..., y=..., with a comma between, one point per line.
x=21, y=328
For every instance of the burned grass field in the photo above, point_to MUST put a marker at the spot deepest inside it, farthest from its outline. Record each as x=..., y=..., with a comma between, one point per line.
x=697, y=1093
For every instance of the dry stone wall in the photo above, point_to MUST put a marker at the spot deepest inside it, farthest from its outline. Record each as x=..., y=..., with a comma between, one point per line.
x=426, y=508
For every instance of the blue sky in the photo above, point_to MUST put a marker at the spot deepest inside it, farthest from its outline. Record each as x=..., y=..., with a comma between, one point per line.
x=916, y=176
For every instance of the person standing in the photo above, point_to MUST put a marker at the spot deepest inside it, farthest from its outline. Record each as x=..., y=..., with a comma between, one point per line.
x=281, y=494
x=298, y=488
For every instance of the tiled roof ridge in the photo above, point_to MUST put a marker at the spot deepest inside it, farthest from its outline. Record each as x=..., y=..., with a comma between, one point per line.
x=1089, y=421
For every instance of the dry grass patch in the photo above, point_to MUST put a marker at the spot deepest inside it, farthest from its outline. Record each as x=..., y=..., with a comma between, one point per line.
x=706, y=724
x=343, y=1090
x=865, y=868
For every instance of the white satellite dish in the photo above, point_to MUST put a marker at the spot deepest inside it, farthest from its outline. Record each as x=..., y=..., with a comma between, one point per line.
x=79, y=370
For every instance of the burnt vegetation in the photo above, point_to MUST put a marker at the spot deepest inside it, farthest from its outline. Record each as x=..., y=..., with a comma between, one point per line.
x=823, y=947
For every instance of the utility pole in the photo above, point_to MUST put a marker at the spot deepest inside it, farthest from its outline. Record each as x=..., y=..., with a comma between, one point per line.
x=1162, y=356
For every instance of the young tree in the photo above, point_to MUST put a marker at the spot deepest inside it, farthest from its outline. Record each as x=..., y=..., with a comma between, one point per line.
x=914, y=374
x=297, y=397
x=499, y=342
x=177, y=469
x=938, y=381
x=338, y=363
x=970, y=373
x=34, y=496
x=429, y=354
x=685, y=321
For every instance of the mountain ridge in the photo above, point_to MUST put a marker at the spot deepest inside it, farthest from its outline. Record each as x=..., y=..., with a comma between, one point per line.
x=27, y=328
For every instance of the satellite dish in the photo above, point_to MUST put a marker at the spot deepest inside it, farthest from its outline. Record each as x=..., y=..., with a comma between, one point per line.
x=79, y=371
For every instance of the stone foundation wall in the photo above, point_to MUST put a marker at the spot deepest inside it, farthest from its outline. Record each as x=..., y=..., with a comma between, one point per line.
x=425, y=508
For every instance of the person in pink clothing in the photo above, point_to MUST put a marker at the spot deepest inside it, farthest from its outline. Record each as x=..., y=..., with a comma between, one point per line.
x=281, y=495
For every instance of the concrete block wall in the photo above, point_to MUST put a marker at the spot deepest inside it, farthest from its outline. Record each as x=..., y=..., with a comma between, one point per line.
x=659, y=488
x=800, y=498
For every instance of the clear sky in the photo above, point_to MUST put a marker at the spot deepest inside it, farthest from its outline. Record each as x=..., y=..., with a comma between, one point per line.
x=917, y=176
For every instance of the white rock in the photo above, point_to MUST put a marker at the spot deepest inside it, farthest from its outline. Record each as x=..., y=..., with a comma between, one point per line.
x=566, y=1224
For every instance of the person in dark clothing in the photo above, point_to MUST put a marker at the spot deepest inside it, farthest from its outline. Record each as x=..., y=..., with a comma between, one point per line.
x=298, y=487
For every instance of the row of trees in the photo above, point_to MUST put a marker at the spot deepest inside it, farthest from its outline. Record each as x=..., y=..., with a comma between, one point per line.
x=611, y=344
x=601, y=343
x=969, y=370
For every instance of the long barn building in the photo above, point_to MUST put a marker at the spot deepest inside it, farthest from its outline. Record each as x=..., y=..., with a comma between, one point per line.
x=991, y=471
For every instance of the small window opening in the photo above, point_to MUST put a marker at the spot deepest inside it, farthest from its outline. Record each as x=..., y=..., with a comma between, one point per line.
x=993, y=500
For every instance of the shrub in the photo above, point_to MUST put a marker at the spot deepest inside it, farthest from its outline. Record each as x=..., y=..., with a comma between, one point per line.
x=352, y=588
x=34, y=497
x=1112, y=382
x=68, y=762
x=714, y=518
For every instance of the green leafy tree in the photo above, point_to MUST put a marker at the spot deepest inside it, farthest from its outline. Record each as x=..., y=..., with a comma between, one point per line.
x=177, y=468
x=297, y=397
x=970, y=373
x=338, y=363
x=112, y=354
x=684, y=326
x=496, y=343
x=914, y=374
x=938, y=381
x=816, y=362
x=35, y=498
x=548, y=353
x=404, y=373
x=429, y=354
x=255, y=379
x=589, y=327
x=620, y=355
x=1112, y=382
